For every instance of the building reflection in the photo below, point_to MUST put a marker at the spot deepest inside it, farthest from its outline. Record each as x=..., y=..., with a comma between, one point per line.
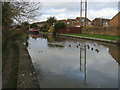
x=114, y=50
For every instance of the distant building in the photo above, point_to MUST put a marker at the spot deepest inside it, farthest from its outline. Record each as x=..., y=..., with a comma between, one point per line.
x=100, y=22
x=41, y=24
x=78, y=22
x=64, y=21
x=71, y=22
x=81, y=21
x=115, y=21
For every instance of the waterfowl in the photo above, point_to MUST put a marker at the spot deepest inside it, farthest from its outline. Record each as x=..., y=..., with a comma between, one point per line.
x=79, y=44
x=97, y=50
x=91, y=48
x=88, y=46
x=69, y=45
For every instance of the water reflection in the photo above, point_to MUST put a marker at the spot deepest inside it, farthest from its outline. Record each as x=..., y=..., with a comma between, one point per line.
x=34, y=35
x=63, y=62
x=83, y=50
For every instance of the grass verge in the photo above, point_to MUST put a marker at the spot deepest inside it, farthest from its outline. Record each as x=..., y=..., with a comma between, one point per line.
x=11, y=37
x=108, y=37
x=14, y=75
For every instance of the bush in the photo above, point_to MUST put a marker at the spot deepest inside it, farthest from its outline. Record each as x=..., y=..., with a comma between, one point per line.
x=45, y=28
x=57, y=26
x=51, y=20
x=34, y=25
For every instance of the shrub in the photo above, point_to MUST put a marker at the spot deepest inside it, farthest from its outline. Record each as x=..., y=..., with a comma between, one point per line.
x=57, y=26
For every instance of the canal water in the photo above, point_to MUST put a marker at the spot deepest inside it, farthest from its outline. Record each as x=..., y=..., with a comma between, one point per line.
x=63, y=62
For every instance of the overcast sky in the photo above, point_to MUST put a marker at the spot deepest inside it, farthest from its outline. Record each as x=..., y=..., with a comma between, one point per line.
x=64, y=9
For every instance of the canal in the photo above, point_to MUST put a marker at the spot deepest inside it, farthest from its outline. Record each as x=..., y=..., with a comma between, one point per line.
x=62, y=62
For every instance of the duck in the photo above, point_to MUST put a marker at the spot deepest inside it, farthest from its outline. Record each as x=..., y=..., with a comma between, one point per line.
x=94, y=44
x=97, y=50
x=69, y=45
x=88, y=46
x=91, y=48
x=77, y=46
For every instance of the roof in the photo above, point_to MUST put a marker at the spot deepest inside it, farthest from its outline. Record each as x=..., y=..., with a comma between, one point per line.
x=103, y=19
x=78, y=18
x=116, y=15
x=71, y=19
x=64, y=20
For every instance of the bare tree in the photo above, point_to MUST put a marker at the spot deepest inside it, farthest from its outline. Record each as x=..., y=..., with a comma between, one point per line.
x=21, y=11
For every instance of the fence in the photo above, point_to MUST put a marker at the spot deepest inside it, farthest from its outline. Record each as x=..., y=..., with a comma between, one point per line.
x=114, y=31
x=70, y=30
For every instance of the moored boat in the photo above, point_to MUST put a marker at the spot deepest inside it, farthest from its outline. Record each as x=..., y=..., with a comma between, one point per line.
x=33, y=30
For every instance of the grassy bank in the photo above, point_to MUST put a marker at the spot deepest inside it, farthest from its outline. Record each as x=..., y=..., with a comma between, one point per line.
x=15, y=63
x=10, y=58
x=98, y=36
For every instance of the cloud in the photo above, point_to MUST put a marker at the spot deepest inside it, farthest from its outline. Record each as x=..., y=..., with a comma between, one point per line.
x=65, y=10
x=74, y=0
x=59, y=14
x=62, y=5
x=103, y=13
x=101, y=5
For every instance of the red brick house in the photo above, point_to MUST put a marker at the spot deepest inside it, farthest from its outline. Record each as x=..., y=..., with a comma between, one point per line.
x=77, y=22
x=41, y=24
x=100, y=22
x=81, y=21
x=115, y=21
x=64, y=21
x=71, y=22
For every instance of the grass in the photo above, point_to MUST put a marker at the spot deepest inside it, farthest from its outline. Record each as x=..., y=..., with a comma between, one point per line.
x=108, y=37
x=4, y=51
x=15, y=65
x=11, y=37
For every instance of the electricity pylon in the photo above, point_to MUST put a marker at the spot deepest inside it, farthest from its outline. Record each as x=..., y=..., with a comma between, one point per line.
x=83, y=11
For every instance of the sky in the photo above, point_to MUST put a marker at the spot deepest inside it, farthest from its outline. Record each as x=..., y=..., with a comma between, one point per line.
x=70, y=9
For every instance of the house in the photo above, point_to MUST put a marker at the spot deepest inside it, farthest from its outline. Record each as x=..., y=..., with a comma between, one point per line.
x=77, y=22
x=100, y=22
x=64, y=21
x=41, y=24
x=115, y=21
x=71, y=22
x=82, y=22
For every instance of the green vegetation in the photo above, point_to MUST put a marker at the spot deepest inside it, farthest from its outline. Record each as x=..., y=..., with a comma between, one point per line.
x=57, y=26
x=14, y=11
x=98, y=36
x=51, y=20
x=11, y=44
x=34, y=25
x=45, y=28
x=15, y=64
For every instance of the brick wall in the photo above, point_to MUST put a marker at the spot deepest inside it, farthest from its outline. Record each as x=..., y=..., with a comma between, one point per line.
x=115, y=21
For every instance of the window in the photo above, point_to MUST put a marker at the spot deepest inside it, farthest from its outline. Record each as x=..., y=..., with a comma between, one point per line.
x=83, y=20
x=88, y=22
